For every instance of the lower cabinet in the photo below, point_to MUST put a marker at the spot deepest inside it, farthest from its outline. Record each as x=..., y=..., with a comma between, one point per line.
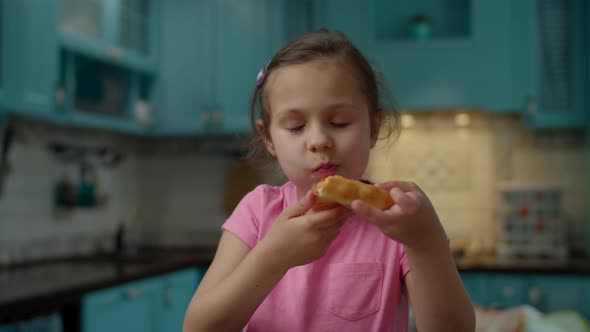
x=552, y=293
x=150, y=305
x=178, y=289
x=545, y=292
x=47, y=323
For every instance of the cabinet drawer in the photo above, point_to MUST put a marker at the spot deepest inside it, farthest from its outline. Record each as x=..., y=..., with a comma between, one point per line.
x=495, y=290
x=551, y=293
x=130, y=307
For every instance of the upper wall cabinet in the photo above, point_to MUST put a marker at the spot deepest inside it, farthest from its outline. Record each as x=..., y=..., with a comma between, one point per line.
x=208, y=75
x=184, y=89
x=29, y=56
x=107, y=63
x=526, y=57
x=3, y=54
x=249, y=32
x=550, y=37
x=434, y=54
x=119, y=31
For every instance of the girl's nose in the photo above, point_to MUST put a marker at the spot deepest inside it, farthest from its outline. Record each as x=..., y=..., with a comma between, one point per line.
x=319, y=140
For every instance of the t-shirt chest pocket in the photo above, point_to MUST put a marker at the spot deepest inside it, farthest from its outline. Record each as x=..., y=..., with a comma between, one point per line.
x=355, y=289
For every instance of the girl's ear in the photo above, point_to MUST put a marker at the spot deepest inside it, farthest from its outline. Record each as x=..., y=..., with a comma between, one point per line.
x=376, y=126
x=267, y=142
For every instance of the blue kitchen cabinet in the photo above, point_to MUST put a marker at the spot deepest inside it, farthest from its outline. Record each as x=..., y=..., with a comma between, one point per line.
x=184, y=93
x=120, y=32
x=497, y=290
x=178, y=289
x=545, y=292
x=299, y=17
x=156, y=304
x=475, y=285
x=127, y=308
x=29, y=59
x=467, y=62
x=550, y=36
x=48, y=323
x=352, y=17
x=3, y=54
x=248, y=33
x=505, y=290
x=108, y=63
x=211, y=54
x=100, y=95
x=552, y=293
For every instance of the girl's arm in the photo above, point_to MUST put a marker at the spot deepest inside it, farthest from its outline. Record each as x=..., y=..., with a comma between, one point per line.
x=239, y=279
x=436, y=292
x=235, y=284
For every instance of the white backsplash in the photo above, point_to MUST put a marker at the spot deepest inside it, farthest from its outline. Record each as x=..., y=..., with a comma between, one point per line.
x=459, y=167
x=175, y=195
x=31, y=225
x=181, y=197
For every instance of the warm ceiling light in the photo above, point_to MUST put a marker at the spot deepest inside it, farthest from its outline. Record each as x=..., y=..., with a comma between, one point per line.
x=408, y=121
x=462, y=120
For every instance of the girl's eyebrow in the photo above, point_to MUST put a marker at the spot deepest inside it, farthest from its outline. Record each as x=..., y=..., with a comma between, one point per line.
x=289, y=111
x=334, y=106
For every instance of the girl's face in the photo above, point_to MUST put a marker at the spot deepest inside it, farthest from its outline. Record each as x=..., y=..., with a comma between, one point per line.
x=320, y=123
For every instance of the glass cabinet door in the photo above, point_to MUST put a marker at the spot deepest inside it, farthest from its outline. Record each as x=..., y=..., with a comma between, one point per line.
x=81, y=17
x=134, y=21
x=101, y=88
x=553, y=58
x=2, y=48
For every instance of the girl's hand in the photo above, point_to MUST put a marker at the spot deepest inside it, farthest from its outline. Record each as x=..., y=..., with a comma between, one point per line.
x=298, y=237
x=411, y=220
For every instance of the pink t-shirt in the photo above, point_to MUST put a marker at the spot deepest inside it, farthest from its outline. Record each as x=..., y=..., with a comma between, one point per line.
x=355, y=286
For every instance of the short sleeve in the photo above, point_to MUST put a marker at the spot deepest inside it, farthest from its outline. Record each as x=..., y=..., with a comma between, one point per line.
x=243, y=222
x=403, y=262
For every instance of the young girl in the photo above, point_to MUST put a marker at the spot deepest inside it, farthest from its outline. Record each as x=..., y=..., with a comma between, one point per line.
x=281, y=266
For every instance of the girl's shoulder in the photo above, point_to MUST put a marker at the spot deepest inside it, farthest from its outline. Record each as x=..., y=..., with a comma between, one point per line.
x=269, y=192
x=267, y=197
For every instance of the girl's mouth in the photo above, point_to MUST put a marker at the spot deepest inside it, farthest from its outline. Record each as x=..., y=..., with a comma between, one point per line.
x=326, y=170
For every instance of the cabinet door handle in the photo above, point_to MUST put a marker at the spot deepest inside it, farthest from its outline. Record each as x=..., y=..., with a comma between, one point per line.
x=114, y=53
x=205, y=117
x=169, y=296
x=60, y=96
x=217, y=117
x=535, y=296
x=507, y=293
x=531, y=107
x=131, y=293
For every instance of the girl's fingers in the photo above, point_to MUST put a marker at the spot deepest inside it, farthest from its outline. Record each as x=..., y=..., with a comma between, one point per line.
x=328, y=218
x=301, y=206
x=370, y=213
x=407, y=202
x=405, y=186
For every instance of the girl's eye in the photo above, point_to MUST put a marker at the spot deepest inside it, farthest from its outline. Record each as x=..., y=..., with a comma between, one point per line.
x=295, y=129
x=340, y=125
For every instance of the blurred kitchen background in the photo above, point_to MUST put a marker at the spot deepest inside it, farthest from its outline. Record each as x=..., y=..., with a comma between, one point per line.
x=123, y=125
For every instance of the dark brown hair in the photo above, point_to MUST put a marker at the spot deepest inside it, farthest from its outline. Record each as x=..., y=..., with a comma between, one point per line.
x=311, y=46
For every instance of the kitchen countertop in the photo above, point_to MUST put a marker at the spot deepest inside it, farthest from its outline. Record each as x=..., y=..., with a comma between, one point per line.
x=39, y=288
x=578, y=265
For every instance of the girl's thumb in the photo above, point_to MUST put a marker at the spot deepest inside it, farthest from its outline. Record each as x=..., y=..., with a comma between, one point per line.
x=302, y=206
